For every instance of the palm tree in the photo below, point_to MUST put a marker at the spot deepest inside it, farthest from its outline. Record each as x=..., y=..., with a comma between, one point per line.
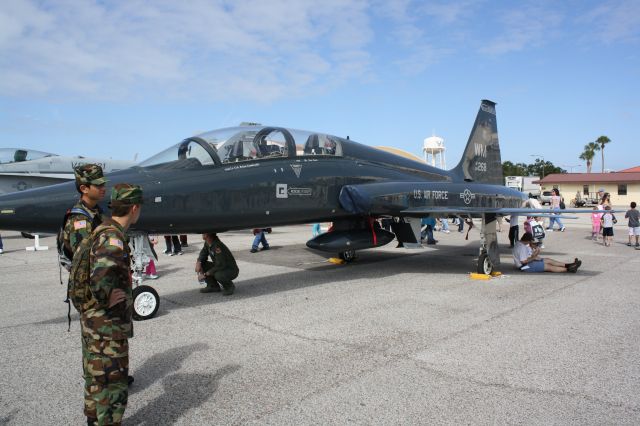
x=602, y=141
x=588, y=154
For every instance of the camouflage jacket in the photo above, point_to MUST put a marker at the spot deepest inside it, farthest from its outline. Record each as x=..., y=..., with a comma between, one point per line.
x=110, y=264
x=221, y=256
x=78, y=226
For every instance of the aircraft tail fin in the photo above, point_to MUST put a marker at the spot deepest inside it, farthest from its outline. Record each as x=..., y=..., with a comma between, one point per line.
x=481, y=160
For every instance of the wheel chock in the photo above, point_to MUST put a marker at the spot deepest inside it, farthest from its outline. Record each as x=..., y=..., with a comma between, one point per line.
x=336, y=261
x=477, y=276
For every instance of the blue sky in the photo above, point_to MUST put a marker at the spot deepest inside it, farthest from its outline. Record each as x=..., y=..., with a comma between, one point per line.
x=119, y=78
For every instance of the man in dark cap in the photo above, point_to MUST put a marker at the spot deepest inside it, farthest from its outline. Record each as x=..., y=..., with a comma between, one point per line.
x=85, y=215
x=106, y=313
x=221, y=271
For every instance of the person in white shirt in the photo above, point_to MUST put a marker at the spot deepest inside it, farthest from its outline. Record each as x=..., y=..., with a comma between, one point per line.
x=608, y=219
x=526, y=257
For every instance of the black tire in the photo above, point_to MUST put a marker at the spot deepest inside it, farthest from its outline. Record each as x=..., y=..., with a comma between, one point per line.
x=348, y=255
x=484, y=264
x=145, y=302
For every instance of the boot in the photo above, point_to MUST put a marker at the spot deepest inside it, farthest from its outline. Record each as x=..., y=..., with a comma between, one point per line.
x=210, y=288
x=228, y=289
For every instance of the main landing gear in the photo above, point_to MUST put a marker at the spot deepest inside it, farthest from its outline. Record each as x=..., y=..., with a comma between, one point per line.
x=348, y=255
x=489, y=257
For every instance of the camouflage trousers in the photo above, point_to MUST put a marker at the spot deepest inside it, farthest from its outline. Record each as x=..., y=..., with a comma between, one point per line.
x=105, y=364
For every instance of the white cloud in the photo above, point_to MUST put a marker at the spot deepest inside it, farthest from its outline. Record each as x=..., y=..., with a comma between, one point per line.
x=261, y=50
x=215, y=49
x=614, y=21
x=526, y=27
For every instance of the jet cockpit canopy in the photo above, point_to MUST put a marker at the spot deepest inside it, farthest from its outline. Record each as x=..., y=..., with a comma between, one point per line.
x=245, y=143
x=16, y=155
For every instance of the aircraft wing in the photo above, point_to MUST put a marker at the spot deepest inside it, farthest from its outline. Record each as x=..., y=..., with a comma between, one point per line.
x=422, y=198
x=61, y=176
x=462, y=211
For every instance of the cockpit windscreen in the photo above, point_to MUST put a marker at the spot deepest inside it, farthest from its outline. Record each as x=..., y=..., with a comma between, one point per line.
x=246, y=143
x=16, y=155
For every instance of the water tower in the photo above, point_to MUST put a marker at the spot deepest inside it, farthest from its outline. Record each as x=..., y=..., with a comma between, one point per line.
x=433, y=149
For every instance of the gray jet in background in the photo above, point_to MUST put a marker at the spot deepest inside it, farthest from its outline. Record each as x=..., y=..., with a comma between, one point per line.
x=22, y=169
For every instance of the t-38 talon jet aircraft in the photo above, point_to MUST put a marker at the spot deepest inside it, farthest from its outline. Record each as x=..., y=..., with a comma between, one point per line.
x=260, y=176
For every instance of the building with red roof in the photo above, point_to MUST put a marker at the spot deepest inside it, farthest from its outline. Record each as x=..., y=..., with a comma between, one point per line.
x=624, y=186
x=631, y=170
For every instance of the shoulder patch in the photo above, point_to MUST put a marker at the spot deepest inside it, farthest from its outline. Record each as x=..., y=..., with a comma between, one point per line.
x=80, y=224
x=218, y=251
x=116, y=242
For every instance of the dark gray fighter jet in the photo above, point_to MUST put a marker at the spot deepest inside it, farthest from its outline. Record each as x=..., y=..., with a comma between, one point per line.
x=254, y=176
x=260, y=176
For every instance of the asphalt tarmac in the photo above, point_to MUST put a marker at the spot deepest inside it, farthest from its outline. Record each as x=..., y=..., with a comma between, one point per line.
x=398, y=337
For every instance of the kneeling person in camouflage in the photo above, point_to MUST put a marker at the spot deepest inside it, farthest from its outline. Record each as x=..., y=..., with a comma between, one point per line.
x=221, y=271
x=106, y=315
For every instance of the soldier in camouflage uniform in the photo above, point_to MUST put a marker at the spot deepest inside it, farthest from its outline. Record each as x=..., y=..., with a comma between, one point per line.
x=222, y=270
x=106, y=317
x=90, y=184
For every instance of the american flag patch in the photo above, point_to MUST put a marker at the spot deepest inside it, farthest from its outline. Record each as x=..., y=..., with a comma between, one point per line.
x=81, y=224
x=115, y=242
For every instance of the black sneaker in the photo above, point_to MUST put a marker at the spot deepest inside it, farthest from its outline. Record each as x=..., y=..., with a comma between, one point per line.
x=266, y=248
x=130, y=380
x=253, y=250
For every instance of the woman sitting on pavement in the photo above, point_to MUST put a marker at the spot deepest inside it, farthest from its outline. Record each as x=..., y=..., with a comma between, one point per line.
x=526, y=257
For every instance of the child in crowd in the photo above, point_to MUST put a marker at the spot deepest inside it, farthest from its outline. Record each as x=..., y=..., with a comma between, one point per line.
x=634, y=223
x=596, y=216
x=151, y=272
x=535, y=228
x=608, y=220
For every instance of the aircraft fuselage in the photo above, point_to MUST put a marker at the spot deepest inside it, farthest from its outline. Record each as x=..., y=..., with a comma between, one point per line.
x=270, y=192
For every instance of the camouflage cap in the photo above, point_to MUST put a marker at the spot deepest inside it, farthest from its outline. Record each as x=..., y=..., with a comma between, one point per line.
x=89, y=174
x=126, y=194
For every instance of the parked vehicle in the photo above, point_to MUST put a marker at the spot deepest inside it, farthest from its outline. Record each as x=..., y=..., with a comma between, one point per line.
x=524, y=184
x=545, y=198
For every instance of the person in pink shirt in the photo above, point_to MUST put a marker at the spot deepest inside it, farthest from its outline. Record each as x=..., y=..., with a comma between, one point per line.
x=556, y=199
x=595, y=223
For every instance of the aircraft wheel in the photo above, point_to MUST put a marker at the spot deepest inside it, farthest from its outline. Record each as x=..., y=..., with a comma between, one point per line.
x=484, y=264
x=145, y=302
x=348, y=255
